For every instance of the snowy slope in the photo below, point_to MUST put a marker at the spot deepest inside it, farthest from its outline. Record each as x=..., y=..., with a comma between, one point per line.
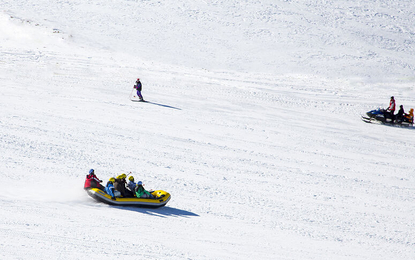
x=253, y=127
x=334, y=38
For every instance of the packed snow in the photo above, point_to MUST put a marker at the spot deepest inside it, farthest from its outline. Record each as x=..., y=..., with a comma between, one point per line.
x=252, y=125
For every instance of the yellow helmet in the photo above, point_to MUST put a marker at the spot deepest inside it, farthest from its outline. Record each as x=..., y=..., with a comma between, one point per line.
x=131, y=178
x=112, y=179
x=122, y=176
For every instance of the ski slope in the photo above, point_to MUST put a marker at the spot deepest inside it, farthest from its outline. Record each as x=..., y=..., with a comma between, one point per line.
x=253, y=127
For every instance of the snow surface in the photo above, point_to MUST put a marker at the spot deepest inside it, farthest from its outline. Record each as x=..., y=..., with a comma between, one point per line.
x=253, y=127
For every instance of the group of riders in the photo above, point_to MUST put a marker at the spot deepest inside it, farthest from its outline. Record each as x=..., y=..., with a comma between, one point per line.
x=118, y=185
x=401, y=116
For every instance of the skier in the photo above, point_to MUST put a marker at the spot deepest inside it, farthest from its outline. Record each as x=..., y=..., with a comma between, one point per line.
x=139, y=87
x=92, y=181
x=109, y=189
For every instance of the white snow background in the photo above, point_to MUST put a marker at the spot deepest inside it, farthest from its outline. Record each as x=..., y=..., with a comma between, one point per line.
x=253, y=128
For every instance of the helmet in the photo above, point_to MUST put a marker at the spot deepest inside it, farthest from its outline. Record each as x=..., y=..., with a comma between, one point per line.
x=138, y=79
x=122, y=176
x=131, y=178
x=140, y=183
x=112, y=179
x=91, y=171
x=392, y=97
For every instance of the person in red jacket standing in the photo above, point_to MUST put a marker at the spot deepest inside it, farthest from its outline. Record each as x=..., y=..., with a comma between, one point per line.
x=390, y=111
x=92, y=181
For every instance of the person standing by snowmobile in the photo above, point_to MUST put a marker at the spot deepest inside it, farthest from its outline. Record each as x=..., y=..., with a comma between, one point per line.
x=92, y=181
x=138, y=86
x=390, y=111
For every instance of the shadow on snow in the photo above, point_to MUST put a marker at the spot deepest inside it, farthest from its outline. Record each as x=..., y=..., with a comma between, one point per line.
x=160, y=212
x=162, y=105
x=157, y=104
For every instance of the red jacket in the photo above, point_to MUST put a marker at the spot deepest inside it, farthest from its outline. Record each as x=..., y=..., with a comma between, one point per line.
x=392, y=105
x=91, y=181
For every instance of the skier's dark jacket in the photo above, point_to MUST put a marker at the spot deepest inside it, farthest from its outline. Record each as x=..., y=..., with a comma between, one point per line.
x=138, y=86
x=119, y=185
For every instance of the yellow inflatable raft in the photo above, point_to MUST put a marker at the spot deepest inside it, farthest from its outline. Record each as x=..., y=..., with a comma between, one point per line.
x=161, y=200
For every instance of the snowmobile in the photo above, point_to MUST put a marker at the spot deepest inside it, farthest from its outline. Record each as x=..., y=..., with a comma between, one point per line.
x=383, y=116
x=160, y=200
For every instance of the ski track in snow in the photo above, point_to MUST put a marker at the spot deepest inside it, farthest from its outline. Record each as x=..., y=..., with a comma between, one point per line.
x=260, y=165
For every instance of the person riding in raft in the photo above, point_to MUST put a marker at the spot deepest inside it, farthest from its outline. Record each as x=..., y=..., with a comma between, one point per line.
x=119, y=184
x=109, y=189
x=138, y=86
x=131, y=184
x=92, y=181
x=140, y=192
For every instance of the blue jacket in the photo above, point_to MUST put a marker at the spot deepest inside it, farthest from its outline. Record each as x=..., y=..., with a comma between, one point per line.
x=110, y=189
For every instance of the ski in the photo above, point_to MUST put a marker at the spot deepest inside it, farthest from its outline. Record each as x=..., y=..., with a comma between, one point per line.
x=367, y=119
